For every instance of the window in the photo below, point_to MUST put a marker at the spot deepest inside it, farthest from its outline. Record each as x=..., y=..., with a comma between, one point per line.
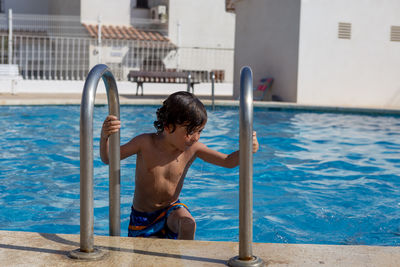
x=142, y=4
x=344, y=30
x=395, y=33
x=1, y=6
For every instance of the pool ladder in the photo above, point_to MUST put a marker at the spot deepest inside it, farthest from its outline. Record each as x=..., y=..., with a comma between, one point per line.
x=87, y=251
x=246, y=257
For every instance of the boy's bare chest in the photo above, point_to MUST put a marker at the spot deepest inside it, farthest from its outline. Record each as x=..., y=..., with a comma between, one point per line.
x=168, y=167
x=171, y=172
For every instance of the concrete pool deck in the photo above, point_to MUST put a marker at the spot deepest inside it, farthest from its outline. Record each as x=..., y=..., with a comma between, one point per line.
x=35, y=249
x=130, y=99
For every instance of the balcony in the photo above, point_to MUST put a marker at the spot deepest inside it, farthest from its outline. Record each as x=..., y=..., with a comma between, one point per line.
x=150, y=25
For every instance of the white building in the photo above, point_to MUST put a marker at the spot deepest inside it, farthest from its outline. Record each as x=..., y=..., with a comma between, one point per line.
x=322, y=52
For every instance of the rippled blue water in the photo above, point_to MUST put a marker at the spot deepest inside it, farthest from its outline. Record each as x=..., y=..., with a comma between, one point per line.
x=325, y=178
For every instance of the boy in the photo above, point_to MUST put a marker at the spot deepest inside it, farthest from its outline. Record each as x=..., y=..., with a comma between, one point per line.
x=163, y=159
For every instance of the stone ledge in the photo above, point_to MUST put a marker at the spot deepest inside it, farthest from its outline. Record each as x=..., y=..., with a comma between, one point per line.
x=35, y=249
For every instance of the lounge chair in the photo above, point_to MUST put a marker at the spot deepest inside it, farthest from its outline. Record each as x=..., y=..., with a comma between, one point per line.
x=264, y=86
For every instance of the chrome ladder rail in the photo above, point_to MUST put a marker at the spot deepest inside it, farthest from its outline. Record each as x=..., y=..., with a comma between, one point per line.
x=87, y=250
x=212, y=90
x=246, y=257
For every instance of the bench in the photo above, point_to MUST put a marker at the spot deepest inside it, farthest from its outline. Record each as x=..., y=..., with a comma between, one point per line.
x=140, y=77
x=9, y=71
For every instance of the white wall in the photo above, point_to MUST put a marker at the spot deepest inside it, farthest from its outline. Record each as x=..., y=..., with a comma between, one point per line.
x=203, y=24
x=115, y=12
x=266, y=39
x=362, y=71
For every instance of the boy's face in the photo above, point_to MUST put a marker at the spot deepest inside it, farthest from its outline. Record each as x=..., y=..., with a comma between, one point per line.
x=181, y=139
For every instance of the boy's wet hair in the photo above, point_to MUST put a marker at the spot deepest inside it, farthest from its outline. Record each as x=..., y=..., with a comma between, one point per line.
x=181, y=108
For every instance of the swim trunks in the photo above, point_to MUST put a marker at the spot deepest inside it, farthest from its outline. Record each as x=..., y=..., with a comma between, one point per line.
x=145, y=224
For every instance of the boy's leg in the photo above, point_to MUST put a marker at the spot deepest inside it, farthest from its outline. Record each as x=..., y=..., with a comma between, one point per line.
x=181, y=221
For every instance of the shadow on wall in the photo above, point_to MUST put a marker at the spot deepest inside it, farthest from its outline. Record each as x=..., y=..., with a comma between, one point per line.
x=394, y=101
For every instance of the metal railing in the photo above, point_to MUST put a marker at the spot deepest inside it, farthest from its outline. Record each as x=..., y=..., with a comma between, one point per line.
x=150, y=25
x=70, y=58
x=60, y=48
x=87, y=249
x=52, y=25
x=68, y=25
x=246, y=257
x=212, y=74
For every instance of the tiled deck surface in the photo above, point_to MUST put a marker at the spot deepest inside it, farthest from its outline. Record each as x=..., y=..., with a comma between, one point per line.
x=34, y=249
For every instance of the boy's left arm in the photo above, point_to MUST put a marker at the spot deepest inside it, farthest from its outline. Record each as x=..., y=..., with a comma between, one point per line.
x=228, y=161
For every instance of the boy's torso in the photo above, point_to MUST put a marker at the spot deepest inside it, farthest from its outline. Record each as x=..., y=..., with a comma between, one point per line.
x=159, y=175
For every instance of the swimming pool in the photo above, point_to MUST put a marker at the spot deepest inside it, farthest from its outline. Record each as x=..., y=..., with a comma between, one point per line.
x=324, y=178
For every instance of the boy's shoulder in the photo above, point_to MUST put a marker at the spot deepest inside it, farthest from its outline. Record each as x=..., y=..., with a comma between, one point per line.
x=145, y=136
x=146, y=139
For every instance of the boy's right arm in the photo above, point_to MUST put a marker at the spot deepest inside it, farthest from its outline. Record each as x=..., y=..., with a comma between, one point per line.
x=112, y=125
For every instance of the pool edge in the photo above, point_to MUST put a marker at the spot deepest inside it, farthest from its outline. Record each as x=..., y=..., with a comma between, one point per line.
x=101, y=99
x=36, y=249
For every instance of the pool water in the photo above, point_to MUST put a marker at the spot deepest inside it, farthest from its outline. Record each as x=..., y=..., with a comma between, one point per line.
x=324, y=178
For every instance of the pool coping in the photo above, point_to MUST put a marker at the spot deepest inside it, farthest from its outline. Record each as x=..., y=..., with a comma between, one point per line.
x=41, y=249
x=101, y=99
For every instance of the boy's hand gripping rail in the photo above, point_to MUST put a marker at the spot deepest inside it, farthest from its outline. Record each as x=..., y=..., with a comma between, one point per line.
x=87, y=250
x=246, y=257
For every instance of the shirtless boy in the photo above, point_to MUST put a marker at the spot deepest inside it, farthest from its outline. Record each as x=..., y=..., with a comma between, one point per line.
x=163, y=159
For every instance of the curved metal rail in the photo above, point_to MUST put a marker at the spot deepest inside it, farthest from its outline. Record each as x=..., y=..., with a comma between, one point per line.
x=246, y=257
x=87, y=250
x=212, y=90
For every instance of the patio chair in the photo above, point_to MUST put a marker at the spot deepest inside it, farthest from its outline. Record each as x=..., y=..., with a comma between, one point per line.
x=264, y=86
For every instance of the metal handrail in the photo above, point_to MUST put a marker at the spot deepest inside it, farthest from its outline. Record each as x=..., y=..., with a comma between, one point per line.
x=246, y=165
x=212, y=90
x=189, y=81
x=246, y=257
x=87, y=250
x=10, y=37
